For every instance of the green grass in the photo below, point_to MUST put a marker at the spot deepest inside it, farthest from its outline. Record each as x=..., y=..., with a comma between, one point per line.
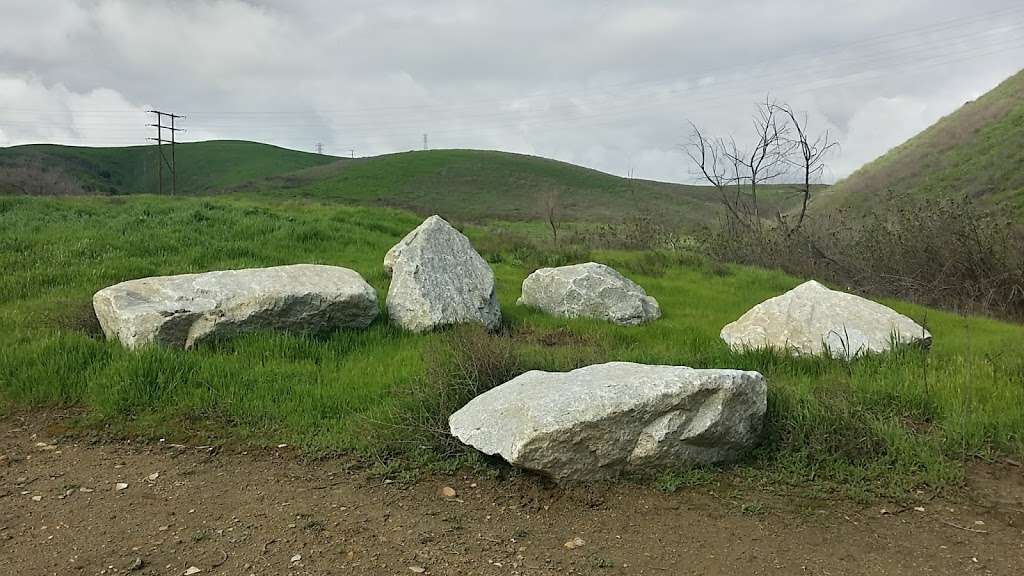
x=879, y=425
x=975, y=151
x=202, y=166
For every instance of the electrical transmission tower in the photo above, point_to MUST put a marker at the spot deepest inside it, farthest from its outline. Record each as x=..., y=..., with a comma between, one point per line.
x=319, y=147
x=172, y=166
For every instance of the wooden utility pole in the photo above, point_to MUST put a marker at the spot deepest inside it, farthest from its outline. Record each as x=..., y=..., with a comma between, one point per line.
x=172, y=165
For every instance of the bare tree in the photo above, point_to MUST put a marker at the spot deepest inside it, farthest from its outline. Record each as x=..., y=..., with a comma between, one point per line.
x=779, y=146
x=807, y=156
x=551, y=205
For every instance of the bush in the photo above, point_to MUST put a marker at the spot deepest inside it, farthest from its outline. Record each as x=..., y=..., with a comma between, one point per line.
x=945, y=253
x=464, y=363
x=520, y=250
x=32, y=177
x=638, y=233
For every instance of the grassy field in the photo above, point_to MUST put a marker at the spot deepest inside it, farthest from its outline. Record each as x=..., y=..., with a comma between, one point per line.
x=974, y=152
x=202, y=166
x=878, y=425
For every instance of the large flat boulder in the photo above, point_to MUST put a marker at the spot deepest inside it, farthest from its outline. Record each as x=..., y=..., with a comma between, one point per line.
x=589, y=290
x=184, y=310
x=438, y=279
x=812, y=319
x=606, y=419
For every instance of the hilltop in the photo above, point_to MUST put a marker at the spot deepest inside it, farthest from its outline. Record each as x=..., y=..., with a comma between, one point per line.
x=977, y=151
x=477, y=185
x=203, y=166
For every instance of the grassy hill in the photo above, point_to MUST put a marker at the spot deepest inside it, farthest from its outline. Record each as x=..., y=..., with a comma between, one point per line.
x=202, y=166
x=976, y=151
x=476, y=185
x=463, y=185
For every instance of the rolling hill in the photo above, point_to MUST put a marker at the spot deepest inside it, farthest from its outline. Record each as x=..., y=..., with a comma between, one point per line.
x=477, y=185
x=202, y=166
x=465, y=185
x=977, y=151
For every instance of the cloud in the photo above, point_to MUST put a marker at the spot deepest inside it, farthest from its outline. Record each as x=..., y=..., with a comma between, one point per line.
x=609, y=85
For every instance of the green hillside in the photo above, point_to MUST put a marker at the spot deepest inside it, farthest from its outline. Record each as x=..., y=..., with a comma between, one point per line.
x=976, y=151
x=464, y=185
x=202, y=166
x=477, y=185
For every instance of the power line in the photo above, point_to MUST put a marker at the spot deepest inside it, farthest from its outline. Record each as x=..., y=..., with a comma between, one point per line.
x=1004, y=16
x=781, y=77
x=806, y=78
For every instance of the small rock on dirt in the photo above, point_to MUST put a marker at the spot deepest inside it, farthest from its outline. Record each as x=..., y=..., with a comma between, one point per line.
x=447, y=492
x=576, y=542
x=417, y=569
x=120, y=486
x=192, y=570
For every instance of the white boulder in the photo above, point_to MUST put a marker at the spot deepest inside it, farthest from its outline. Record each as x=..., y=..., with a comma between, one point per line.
x=438, y=279
x=812, y=319
x=186, y=309
x=589, y=290
x=602, y=420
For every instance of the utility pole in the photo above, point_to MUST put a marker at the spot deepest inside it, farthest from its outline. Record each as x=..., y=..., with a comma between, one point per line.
x=425, y=141
x=160, y=141
x=319, y=147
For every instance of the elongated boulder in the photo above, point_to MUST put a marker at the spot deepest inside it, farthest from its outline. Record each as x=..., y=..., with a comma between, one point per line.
x=812, y=319
x=589, y=290
x=606, y=419
x=186, y=309
x=438, y=279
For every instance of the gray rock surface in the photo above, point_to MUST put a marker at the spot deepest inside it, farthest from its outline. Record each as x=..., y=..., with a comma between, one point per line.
x=589, y=290
x=186, y=309
x=812, y=319
x=602, y=420
x=438, y=279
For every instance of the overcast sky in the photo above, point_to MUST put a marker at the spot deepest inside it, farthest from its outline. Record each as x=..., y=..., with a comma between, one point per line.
x=611, y=85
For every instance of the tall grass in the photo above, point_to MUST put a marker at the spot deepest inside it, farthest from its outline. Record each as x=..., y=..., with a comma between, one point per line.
x=880, y=424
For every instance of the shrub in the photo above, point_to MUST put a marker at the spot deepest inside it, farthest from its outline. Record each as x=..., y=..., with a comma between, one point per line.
x=944, y=252
x=637, y=233
x=520, y=250
x=463, y=363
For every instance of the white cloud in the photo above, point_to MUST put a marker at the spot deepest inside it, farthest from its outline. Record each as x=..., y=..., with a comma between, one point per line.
x=610, y=85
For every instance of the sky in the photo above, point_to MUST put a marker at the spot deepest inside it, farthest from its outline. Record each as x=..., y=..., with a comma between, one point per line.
x=609, y=85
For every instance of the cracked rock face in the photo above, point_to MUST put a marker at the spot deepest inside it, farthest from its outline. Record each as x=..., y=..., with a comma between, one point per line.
x=602, y=420
x=589, y=290
x=184, y=310
x=812, y=319
x=438, y=279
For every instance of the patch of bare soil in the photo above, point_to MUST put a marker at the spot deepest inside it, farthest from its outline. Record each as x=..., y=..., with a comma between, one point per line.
x=71, y=507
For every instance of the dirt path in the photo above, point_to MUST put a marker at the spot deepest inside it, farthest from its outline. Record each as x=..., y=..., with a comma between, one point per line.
x=61, y=512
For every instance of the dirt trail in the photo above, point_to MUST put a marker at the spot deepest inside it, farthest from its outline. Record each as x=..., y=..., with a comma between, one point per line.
x=61, y=512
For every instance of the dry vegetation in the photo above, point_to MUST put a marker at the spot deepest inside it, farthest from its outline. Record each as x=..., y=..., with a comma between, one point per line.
x=939, y=252
x=31, y=176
